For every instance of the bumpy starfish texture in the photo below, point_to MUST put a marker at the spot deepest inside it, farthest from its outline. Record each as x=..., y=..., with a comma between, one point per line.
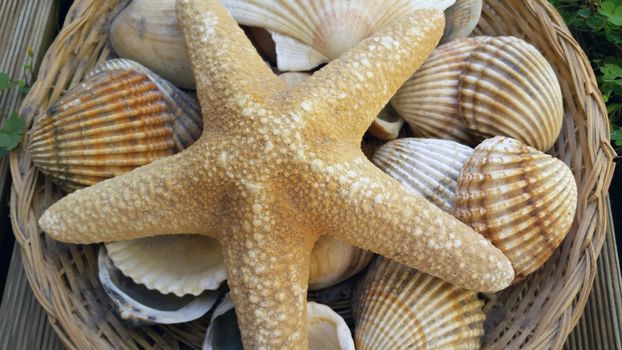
x=275, y=168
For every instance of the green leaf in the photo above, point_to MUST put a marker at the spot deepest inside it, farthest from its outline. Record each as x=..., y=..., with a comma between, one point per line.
x=607, y=8
x=616, y=18
x=584, y=12
x=11, y=133
x=610, y=71
x=5, y=81
x=596, y=22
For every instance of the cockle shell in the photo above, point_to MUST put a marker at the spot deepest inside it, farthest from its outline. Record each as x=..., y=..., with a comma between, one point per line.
x=461, y=18
x=308, y=33
x=333, y=261
x=325, y=328
x=474, y=88
x=179, y=264
x=147, y=31
x=519, y=198
x=396, y=307
x=141, y=306
x=428, y=167
x=121, y=117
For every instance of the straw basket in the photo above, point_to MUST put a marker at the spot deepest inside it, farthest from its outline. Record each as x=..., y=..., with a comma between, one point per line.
x=539, y=313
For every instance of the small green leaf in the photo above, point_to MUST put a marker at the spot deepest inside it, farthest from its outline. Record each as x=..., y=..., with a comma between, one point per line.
x=607, y=8
x=5, y=81
x=584, y=12
x=11, y=133
x=616, y=17
x=30, y=51
x=610, y=71
x=596, y=22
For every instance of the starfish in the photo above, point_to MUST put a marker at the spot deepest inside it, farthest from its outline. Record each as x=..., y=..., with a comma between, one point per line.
x=276, y=168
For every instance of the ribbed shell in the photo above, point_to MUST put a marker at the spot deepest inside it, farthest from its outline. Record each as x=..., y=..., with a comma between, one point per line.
x=333, y=261
x=178, y=264
x=428, y=167
x=509, y=89
x=521, y=199
x=396, y=307
x=387, y=124
x=120, y=118
x=140, y=306
x=428, y=101
x=461, y=19
x=327, y=27
x=147, y=31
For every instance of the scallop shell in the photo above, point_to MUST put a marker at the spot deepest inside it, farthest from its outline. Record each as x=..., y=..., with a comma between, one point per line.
x=147, y=32
x=326, y=330
x=461, y=19
x=315, y=32
x=333, y=261
x=179, y=264
x=475, y=88
x=387, y=124
x=521, y=199
x=428, y=167
x=428, y=101
x=509, y=89
x=123, y=116
x=396, y=307
x=141, y=306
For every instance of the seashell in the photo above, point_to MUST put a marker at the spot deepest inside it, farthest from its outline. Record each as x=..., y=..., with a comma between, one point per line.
x=387, y=124
x=141, y=306
x=519, y=198
x=262, y=40
x=179, y=264
x=333, y=261
x=123, y=116
x=428, y=101
x=461, y=18
x=147, y=31
x=325, y=328
x=369, y=145
x=396, y=307
x=428, y=167
x=510, y=89
x=308, y=33
x=475, y=88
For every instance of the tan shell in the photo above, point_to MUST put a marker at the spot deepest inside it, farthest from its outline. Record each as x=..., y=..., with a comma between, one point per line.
x=309, y=33
x=428, y=101
x=326, y=330
x=120, y=118
x=333, y=261
x=179, y=264
x=461, y=19
x=475, y=88
x=140, y=306
x=521, y=199
x=396, y=307
x=147, y=32
x=428, y=167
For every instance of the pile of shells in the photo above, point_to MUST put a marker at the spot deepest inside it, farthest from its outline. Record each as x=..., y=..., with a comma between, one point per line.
x=131, y=111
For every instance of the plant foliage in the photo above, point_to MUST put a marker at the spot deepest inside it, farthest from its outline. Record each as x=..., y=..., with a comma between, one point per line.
x=14, y=125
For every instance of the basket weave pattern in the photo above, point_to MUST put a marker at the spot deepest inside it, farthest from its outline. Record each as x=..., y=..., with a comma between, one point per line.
x=538, y=313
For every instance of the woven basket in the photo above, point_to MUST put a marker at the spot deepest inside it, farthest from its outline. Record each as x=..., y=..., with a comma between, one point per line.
x=539, y=313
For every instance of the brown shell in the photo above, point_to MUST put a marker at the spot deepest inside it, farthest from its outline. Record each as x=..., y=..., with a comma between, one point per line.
x=121, y=117
x=387, y=124
x=396, y=307
x=521, y=199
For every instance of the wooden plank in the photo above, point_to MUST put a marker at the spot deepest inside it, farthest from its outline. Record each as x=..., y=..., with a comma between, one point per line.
x=600, y=326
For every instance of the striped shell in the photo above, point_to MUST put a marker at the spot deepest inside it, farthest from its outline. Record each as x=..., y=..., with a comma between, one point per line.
x=428, y=167
x=396, y=307
x=140, y=306
x=308, y=33
x=521, y=199
x=121, y=117
x=475, y=88
x=178, y=264
x=461, y=19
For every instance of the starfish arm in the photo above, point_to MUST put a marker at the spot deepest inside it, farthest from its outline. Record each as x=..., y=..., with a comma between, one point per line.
x=372, y=211
x=229, y=72
x=267, y=257
x=159, y=198
x=358, y=84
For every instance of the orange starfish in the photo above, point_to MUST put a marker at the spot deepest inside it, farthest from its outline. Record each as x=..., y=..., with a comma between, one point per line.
x=276, y=168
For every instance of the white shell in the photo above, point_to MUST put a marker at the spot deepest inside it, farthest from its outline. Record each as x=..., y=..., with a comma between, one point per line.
x=428, y=167
x=461, y=19
x=396, y=307
x=333, y=261
x=519, y=198
x=147, y=32
x=326, y=330
x=178, y=264
x=326, y=28
x=141, y=306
